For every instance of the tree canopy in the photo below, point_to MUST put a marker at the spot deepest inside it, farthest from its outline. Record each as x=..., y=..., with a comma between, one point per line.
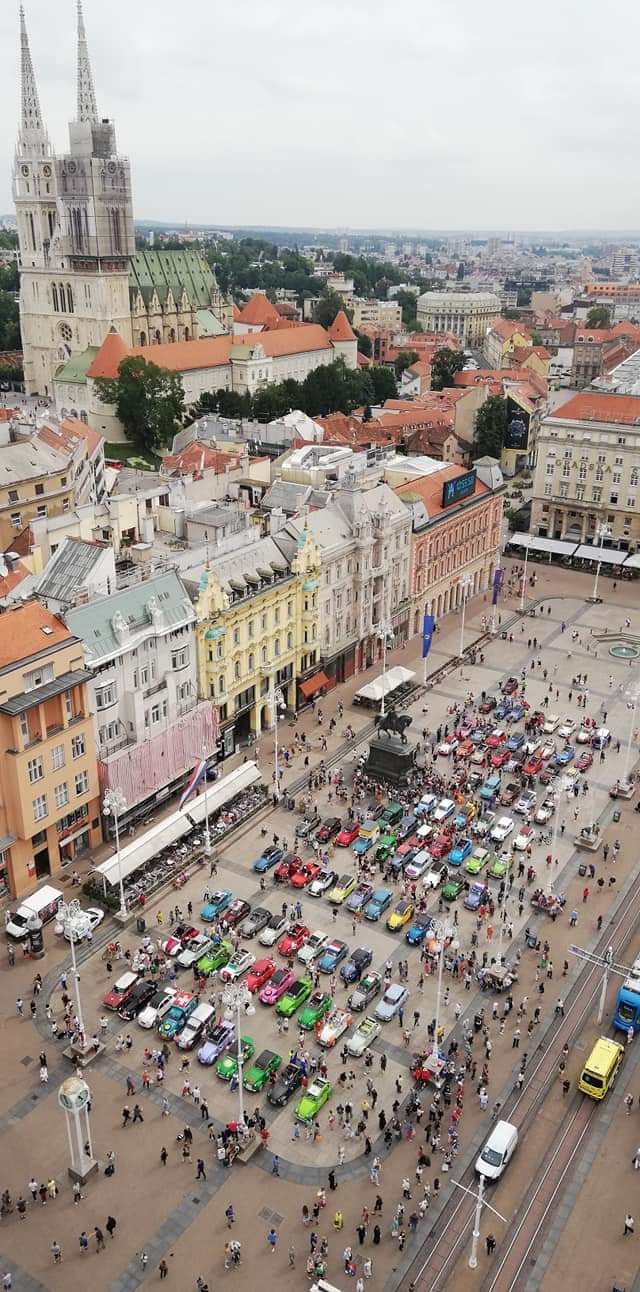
x=444, y=366
x=330, y=388
x=490, y=428
x=149, y=402
x=599, y=316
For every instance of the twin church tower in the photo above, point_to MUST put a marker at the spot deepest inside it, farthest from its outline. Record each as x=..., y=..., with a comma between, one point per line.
x=80, y=274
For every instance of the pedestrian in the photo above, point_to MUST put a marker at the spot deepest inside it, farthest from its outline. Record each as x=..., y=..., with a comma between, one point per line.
x=292, y=1256
x=111, y=1226
x=272, y=1239
x=629, y=1224
x=77, y=1194
x=84, y=1243
x=143, y=1258
x=20, y=1007
x=163, y=1155
x=275, y=1165
x=491, y=1244
x=163, y=1269
x=99, y=1237
x=137, y=1114
x=201, y=1173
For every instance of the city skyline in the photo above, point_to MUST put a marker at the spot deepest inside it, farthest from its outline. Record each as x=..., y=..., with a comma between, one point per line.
x=398, y=123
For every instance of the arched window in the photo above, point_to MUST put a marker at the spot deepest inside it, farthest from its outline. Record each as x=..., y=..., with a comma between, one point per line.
x=69, y=299
x=143, y=338
x=63, y=303
x=172, y=334
x=157, y=337
x=32, y=231
x=187, y=335
x=54, y=295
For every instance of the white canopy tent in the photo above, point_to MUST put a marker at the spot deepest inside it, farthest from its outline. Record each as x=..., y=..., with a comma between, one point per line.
x=535, y=543
x=385, y=684
x=176, y=826
x=606, y=555
x=633, y=562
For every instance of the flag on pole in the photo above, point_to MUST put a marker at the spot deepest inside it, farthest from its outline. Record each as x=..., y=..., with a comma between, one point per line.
x=428, y=624
x=497, y=581
x=194, y=781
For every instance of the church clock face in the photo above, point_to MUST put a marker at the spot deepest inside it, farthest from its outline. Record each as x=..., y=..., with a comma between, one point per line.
x=111, y=168
x=25, y=170
x=46, y=170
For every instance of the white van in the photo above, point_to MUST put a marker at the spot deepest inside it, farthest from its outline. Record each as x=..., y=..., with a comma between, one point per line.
x=601, y=738
x=498, y=1151
x=195, y=1026
x=44, y=904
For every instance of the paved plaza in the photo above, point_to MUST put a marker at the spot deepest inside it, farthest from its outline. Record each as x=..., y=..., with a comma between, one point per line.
x=164, y=1211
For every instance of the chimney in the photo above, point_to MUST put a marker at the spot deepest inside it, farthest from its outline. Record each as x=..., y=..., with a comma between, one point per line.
x=277, y=519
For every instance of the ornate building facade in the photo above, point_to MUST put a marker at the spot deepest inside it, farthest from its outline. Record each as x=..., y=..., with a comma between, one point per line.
x=80, y=274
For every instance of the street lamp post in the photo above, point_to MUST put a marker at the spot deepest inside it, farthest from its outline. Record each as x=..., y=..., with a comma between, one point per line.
x=75, y=921
x=276, y=702
x=524, y=578
x=608, y=966
x=440, y=933
x=465, y=586
x=384, y=635
x=207, y=836
x=114, y=804
x=602, y=531
x=480, y=1203
x=631, y=705
x=237, y=1000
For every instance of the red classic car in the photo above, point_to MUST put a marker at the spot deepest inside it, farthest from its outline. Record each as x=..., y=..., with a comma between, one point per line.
x=293, y=940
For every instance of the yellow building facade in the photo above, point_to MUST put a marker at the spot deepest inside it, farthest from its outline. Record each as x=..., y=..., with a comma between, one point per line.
x=257, y=629
x=50, y=808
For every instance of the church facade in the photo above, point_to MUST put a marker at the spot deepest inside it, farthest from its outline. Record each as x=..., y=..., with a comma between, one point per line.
x=80, y=273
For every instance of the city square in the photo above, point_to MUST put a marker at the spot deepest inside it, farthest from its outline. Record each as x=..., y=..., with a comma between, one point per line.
x=181, y=1219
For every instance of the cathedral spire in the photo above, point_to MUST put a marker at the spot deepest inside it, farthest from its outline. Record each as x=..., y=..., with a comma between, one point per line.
x=33, y=136
x=87, y=109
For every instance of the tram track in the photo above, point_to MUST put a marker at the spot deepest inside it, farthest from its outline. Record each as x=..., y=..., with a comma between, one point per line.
x=438, y=1255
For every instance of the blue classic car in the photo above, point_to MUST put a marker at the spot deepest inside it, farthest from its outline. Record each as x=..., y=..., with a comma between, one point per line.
x=270, y=857
x=460, y=852
x=565, y=756
x=378, y=903
x=515, y=741
x=218, y=902
x=419, y=929
x=332, y=956
x=477, y=894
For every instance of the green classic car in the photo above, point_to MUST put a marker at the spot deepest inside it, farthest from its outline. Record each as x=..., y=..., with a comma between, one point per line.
x=227, y=1064
x=316, y=1094
x=260, y=1071
x=387, y=845
x=477, y=861
x=298, y=992
x=453, y=888
x=215, y=959
x=314, y=1010
x=500, y=866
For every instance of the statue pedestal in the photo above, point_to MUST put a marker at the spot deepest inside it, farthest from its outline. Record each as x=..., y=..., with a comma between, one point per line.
x=589, y=842
x=389, y=759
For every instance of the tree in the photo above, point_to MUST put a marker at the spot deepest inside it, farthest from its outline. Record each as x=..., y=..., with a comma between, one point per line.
x=408, y=302
x=148, y=400
x=384, y=383
x=328, y=306
x=536, y=339
x=490, y=428
x=460, y=271
x=365, y=346
x=366, y=416
x=404, y=361
x=599, y=316
x=444, y=366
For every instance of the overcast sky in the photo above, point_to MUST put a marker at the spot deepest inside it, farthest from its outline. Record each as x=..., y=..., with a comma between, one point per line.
x=363, y=113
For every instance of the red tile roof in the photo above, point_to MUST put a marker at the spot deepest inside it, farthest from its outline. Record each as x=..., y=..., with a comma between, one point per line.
x=92, y=438
x=109, y=357
x=341, y=329
x=12, y=578
x=199, y=457
x=429, y=488
x=215, y=351
x=22, y=633
x=259, y=309
x=591, y=406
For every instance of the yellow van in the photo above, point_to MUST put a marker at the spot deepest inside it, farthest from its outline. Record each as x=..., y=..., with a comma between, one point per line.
x=601, y=1068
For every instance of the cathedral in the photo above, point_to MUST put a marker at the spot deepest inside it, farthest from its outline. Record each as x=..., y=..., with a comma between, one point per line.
x=80, y=273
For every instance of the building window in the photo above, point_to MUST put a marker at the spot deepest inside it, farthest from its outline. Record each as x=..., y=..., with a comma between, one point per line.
x=57, y=758
x=180, y=658
x=13, y=494
x=82, y=782
x=61, y=793
x=237, y=673
x=42, y=511
x=251, y=663
x=35, y=769
x=107, y=695
x=78, y=746
x=68, y=706
x=40, y=807
x=155, y=713
x=108, y=732
x=16, y=520
x=24, y=727
x=236, y=636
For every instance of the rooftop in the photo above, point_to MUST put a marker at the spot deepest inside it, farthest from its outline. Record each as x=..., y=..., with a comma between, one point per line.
x=592, y=406
x=29, y=630
x=67, y=571
x=29, y=460
x=109, y=625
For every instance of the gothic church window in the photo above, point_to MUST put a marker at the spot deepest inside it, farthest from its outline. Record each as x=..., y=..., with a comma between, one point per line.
x=54, y=294
x=63, y=303
x=69, y=299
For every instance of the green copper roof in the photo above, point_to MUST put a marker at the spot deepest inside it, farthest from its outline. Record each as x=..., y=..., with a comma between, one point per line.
x=75, y=369
x=177, y=270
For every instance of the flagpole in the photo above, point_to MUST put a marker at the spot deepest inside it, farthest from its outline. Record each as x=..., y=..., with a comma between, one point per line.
x=207, y=836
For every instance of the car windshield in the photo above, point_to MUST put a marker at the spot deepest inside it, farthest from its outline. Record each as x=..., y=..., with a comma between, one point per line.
x=491, y=1157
